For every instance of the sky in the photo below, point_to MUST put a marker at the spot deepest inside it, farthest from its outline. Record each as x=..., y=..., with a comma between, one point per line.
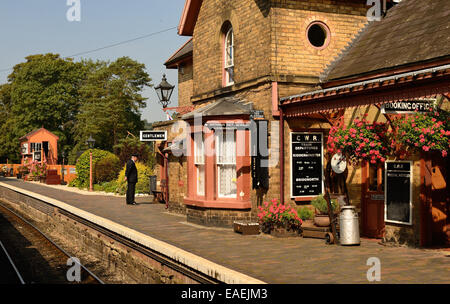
x=37, y=27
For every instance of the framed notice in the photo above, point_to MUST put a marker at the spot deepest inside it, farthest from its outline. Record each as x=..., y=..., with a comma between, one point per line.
x=398, y=192
x=306, y=164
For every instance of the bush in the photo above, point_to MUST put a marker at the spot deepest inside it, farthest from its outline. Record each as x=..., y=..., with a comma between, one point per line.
x=143, y=185
x=321, y=204
x=127, y=146
x=305, y=213
x=107, y=169
x=82, y=167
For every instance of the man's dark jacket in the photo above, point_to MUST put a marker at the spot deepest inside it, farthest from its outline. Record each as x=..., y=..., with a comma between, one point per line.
x=131, y=172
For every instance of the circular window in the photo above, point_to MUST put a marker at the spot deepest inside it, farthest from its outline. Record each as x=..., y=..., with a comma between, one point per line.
x=318, y=35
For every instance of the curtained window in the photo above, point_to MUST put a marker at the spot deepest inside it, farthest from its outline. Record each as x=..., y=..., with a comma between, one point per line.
x=226, y=163
x=199, y=161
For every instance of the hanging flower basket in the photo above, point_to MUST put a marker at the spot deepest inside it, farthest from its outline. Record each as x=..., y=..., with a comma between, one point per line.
x=428, y=131
x=361, y=140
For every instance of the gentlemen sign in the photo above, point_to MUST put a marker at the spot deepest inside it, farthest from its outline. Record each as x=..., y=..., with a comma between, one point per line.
x=306, y=164
x=406, y=107
x=398, y=192
x=153, y=136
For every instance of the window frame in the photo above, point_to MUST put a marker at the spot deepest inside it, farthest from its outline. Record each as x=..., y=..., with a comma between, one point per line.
x=223, y=164
x=228, y=57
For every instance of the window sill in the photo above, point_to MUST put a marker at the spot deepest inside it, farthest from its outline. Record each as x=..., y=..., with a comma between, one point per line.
x=222, y=203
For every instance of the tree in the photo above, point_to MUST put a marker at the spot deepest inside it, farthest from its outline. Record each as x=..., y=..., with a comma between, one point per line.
x=41, y=92
x=111, y=100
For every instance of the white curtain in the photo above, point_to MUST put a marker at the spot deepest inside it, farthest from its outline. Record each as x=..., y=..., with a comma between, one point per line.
x=226, y=163
x=199, y=160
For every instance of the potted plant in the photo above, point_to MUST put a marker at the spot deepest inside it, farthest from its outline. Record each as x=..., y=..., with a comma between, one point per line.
x=278, y=219
x=321, y=217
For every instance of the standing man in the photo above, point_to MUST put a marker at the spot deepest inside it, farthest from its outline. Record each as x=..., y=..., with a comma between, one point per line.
x=131, y=177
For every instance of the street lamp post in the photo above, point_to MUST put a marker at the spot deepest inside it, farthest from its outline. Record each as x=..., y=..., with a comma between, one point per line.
x=63, y=154
x=164, y=91
x=90, y=143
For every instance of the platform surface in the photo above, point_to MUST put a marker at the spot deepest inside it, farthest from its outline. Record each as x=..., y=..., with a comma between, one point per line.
x=269, y=259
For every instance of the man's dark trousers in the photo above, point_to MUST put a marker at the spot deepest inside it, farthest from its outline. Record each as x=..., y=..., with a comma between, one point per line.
x=132, y=178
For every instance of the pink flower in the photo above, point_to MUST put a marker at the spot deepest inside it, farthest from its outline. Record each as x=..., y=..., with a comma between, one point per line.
x=426, y=148
x=444, y=153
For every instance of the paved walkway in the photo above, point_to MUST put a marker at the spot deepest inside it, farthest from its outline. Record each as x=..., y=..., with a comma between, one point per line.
x=273, y=260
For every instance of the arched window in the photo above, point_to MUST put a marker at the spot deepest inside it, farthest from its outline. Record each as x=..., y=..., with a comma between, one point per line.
x=229, y=57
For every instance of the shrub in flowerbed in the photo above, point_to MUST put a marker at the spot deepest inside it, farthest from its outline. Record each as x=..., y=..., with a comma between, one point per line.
x=143, y=185
x=82, y=167
x=276, y=215
x=428, y=131
x=362, y=140
x=107, y=169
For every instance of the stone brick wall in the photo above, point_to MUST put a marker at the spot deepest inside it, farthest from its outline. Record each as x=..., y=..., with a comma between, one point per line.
x=291, y=52
x=185, y=84
x=251, y=42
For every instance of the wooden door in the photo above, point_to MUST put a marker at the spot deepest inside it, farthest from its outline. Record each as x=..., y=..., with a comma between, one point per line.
x=372, y=202
x=440, y=211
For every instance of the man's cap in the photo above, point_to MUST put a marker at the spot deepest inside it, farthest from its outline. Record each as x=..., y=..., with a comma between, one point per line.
x=135, y=154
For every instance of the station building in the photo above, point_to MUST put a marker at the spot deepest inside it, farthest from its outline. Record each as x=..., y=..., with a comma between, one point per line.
x=297, y=69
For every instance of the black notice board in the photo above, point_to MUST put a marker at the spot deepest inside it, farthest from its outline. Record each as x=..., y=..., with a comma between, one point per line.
x=398, y=192
x=306, y=164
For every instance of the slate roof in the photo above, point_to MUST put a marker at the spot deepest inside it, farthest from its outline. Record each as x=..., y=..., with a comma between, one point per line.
x=223, y=107
x=414, y=31
x=182, y=53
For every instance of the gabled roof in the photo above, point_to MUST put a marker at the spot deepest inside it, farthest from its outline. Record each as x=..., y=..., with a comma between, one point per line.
x=189, y=17
x=228, y=106
x=412, y=33
x=27, y=136
x=181, y=54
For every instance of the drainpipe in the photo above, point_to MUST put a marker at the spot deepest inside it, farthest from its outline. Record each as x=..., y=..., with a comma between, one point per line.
x=281, y=155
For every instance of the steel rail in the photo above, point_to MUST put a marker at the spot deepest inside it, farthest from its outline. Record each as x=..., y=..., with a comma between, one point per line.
x=19, y=276
x=53, y=243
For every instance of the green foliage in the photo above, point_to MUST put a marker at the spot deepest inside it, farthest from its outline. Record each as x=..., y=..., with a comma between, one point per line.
x=107, y=169
x=321, y=204
x=306, y=213
x=82, y=166
x=144, y=173
x=43, y=91
x=72, y=100
x=111, y=100
x=129, y=145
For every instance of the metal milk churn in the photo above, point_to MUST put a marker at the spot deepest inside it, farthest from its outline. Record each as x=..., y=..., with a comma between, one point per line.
x=349, y=226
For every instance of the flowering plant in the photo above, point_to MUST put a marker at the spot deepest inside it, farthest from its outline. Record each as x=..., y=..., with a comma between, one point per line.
x=424, y=131
x=360, y=141
x=5, y=169
x=275, y=214
x=38, y=169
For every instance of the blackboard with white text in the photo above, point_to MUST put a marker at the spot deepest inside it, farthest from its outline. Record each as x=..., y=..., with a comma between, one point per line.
x=398, y=192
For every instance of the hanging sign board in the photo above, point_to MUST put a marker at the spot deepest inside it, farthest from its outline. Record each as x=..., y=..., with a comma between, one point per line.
x=398, y=192
x=407, y=107
x=153, y=136
x=256, y=114
x=228, y=125
x=306, y=164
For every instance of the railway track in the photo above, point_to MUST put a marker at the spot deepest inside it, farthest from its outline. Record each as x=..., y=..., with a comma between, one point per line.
x=30, y=257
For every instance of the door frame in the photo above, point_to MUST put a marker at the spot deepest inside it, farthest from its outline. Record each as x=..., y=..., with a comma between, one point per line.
x=365, y=166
